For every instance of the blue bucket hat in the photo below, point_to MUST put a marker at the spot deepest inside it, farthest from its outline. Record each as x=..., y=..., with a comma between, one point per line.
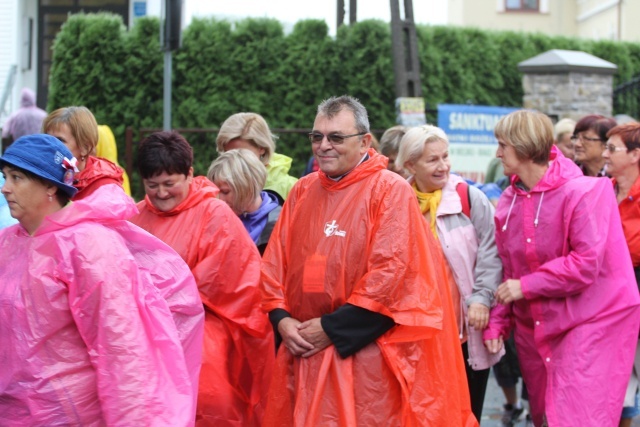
x=44, y=156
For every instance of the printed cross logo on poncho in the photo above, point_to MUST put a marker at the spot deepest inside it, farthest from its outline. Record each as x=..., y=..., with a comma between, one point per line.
x=331, y=229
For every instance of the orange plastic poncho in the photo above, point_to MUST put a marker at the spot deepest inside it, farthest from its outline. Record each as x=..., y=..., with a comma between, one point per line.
x=238, y=348
x=364, y=244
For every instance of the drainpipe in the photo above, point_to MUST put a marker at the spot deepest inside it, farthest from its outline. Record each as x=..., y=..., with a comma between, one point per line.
x=619, y=20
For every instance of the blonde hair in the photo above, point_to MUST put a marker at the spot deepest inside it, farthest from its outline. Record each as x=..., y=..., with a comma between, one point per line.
x=251, y=127
x=530, y=132
x=81, y=123
x=563, y=127
x=413, y=142
x=243, y=172
x=390, y=140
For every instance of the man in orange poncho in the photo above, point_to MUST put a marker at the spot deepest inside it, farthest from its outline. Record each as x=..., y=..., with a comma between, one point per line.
x=357, y=291
x=183, y=211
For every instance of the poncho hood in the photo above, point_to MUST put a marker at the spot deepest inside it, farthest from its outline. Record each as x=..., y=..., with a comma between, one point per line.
x=27, y=98
x=107, y=204
x=97, y=169
x=375, y=163
x=560, y=171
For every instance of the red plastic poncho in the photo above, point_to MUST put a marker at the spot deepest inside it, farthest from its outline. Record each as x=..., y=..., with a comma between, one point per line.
x=100, y=323
x=362, y=241
x=238, y=346
x=97, y=172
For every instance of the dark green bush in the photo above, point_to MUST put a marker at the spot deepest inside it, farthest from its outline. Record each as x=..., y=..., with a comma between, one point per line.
x=225, y=68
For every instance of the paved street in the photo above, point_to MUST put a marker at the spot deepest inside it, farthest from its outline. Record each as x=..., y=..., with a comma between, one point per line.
x=493, y=407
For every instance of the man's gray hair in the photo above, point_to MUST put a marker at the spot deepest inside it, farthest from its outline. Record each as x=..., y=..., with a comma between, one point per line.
x=332, y=107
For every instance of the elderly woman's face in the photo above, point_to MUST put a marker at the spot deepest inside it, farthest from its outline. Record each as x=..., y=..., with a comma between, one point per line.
x=588, y=147
x=565, y=145
x=507, y=154
x=618, y=159
x=166, y=191
x=431, y=170
x=26, y=197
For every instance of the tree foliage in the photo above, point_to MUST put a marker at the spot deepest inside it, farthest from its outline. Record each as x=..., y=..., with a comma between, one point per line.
x=252, y=65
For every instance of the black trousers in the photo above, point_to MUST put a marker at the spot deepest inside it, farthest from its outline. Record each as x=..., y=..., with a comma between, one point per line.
x=477, y=382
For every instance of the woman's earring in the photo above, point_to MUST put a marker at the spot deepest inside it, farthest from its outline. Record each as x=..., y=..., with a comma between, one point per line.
x=50, y=198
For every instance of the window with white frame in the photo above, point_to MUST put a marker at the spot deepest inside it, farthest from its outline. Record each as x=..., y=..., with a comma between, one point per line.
x=522, y=5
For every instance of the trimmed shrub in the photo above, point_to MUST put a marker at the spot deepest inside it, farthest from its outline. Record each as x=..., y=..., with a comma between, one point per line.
x=251, y=65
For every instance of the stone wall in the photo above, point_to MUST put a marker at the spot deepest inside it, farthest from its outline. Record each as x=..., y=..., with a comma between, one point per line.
x=571, y=94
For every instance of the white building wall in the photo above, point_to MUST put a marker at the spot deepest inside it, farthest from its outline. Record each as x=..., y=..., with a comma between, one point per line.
x=28, y=76
x=8, y=51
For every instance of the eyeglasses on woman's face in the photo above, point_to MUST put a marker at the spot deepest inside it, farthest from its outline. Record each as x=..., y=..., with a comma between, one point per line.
x=584, y=138
x=613, y=148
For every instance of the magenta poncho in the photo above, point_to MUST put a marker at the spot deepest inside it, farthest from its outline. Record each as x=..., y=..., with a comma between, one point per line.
x=577, y=327
x=100, y=323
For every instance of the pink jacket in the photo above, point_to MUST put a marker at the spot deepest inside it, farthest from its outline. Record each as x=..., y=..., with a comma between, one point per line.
x=100, y=323
x=576, y=328
x=469, y=246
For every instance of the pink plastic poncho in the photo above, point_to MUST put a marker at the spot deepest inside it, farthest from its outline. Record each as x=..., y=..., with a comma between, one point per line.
x=577, y=327
x=100, y=323
x=27, y=119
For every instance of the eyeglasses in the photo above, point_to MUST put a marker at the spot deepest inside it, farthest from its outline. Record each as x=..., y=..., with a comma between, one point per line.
x=583, y=138
x=612, y=148
x=333, y=138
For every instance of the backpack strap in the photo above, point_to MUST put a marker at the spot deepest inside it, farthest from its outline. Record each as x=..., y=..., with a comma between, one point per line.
x=463, y=191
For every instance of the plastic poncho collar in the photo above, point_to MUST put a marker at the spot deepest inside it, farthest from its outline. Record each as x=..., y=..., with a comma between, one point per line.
x=278, y=178
x=255, y=221
x=96, y=173
x=560, y=171
x=114, y=205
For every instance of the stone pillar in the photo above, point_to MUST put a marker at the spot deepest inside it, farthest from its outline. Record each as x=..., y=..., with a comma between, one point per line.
x=568, y=83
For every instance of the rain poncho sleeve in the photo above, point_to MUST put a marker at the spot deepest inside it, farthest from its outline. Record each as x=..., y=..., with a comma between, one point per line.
x=365, y=244
x=138, y=370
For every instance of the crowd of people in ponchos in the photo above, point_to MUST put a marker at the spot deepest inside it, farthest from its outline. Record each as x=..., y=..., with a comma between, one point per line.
x=157, y=312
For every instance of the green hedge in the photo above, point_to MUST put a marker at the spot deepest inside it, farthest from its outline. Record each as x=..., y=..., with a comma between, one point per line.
x=252, y=65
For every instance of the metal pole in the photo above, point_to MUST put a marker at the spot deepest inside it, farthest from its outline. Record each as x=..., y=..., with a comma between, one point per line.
x=353, y=11
x=166, y=104
x=340, y=14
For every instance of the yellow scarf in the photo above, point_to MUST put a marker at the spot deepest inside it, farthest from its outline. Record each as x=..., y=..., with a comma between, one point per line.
x=429, y=203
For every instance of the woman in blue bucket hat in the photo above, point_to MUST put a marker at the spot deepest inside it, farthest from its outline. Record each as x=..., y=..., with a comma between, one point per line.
x=86, y=337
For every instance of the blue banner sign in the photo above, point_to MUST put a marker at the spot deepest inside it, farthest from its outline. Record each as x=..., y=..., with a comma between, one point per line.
x=139, y=9
x=470, y=124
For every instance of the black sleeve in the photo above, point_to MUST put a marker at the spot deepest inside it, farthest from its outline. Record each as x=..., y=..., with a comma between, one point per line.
x=351, y=328
x=275, y=316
